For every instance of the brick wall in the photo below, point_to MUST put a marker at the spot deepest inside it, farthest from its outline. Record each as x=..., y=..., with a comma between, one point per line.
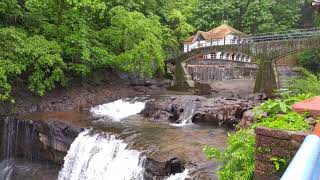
x=278, y=144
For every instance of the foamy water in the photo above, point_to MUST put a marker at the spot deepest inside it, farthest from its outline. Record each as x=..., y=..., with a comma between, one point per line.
x=186, y=117
x=118, y=110
x=101, y=156
x=179, y=176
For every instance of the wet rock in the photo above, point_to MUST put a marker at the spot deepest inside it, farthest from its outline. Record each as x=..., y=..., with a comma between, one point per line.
x=174, y=165
x=257, y=96
x=169, y=108
x=42, y=140
x=247, y=119
x=159, y=170
x=219, y=111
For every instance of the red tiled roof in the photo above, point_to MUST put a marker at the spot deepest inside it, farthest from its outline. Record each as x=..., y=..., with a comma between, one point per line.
x=216, y=33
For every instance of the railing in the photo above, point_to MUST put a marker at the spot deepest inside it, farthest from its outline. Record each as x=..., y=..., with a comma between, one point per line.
x=285, y=35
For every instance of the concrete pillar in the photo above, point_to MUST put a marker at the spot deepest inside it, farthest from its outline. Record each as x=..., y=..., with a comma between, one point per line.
x=266, y=80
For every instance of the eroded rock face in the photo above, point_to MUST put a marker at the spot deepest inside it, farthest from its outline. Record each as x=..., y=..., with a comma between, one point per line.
x=170, y=108
x=41, y=140
x=220, y=111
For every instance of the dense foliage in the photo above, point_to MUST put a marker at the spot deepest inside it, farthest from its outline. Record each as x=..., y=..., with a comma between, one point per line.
x=307, y=83
x=251, y=16
x=238, y=159
x=290, y=121
x=47, y=43
x=310, y=60
x=281, y=105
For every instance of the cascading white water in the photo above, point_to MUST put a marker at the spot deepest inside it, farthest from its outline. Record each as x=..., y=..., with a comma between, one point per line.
x=179, y=176
x=186, y=117
x=101, y=156
x=118, y=110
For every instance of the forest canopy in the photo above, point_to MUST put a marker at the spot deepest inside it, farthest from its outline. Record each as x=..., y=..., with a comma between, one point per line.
x=46, y=43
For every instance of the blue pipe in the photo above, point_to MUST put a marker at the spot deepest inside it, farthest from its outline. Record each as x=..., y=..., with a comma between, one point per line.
x=306, y=163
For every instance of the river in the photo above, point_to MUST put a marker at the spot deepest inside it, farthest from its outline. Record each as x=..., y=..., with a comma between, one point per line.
x=115, y=144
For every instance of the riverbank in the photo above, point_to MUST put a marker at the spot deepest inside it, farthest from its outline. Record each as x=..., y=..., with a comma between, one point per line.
x=82, y=94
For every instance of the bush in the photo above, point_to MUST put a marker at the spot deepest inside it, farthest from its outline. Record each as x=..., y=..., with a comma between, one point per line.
x=237, y=160
x=291, y=121
x=308, y=83
x=282, y=105
x=310, y=60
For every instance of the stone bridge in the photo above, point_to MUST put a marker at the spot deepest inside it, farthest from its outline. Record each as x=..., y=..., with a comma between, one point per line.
x=264, y=49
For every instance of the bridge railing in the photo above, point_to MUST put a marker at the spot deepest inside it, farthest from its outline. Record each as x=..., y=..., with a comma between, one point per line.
x=284, y=35
x=256, y=38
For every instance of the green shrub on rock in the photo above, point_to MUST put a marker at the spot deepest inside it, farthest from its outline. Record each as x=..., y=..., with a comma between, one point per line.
x=291, y=121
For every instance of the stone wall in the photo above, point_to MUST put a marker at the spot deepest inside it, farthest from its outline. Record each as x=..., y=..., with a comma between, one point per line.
x=219, y=70
x=276, y=144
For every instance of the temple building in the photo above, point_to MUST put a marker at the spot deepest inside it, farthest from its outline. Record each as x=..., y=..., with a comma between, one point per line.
x=222, y=35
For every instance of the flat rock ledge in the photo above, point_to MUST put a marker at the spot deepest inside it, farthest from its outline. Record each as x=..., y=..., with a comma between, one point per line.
x=220, y=111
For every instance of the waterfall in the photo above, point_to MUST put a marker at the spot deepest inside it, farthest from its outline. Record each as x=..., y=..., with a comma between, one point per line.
x=100, y=156
x=187, y=115
x=118, y=110
x=17, y=139
x=6, y=170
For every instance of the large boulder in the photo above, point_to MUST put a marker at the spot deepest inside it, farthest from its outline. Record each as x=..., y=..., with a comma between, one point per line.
x=159, y=170
x=247, y=119
x=222, y=111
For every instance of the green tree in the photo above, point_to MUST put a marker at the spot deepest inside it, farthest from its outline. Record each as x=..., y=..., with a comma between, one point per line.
x=310, y=59
x=136, y=41
x=251, y=16
x=45, y=66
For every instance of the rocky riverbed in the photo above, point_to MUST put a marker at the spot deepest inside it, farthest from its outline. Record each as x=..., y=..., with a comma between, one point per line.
x=220, y=111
